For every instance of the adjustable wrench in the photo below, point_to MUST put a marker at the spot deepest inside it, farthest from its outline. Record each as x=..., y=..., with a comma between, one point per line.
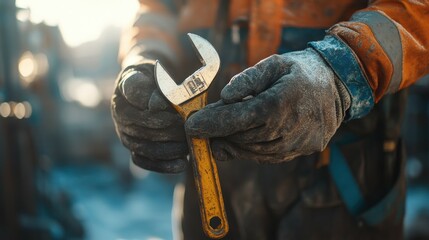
x=187, y=98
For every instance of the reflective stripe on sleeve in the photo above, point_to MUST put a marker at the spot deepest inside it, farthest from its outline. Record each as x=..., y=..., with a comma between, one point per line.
x=389, y=39
x=163, y=22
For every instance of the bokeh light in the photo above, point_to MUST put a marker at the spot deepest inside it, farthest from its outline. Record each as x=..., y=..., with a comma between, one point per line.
x=19, y=111
x=27, y=65
x=82, y=91
x=5, y=109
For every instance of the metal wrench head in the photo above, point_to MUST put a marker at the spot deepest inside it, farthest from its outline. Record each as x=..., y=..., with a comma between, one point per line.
x=195, y=84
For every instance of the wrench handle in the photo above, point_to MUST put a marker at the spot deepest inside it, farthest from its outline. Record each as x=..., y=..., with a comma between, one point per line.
x=212, y=209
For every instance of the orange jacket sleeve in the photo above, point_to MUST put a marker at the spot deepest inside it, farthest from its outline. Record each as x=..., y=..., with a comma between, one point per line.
x=385, y=46
x=153, y=34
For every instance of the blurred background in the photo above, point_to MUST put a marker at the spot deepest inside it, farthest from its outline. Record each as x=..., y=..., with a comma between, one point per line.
x=63, y=172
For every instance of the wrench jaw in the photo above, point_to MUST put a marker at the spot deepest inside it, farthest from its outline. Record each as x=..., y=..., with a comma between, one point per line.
x=176, y=94
x=195, y=84
x=208, y=57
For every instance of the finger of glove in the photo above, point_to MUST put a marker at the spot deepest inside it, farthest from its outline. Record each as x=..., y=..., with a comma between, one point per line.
x=218, y=151
x=126, y=114
x=255, y=79
x=137, y=88
x=275, y=146
x=155, y=150
x=220, y=120
x=158, y=102
x=224, y=150
x=223, y=120
x=259, y=134
x=171, y=133
x=161, y=166
x=272, y=112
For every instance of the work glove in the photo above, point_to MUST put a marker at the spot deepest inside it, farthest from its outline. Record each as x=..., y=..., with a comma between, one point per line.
x=283, y=107
x=146, y=123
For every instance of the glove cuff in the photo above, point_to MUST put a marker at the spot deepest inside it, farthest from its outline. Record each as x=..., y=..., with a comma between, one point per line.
x=341, y=59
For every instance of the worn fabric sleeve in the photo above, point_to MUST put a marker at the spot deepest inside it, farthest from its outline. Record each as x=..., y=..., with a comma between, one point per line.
x=381, y=49
x=153, y=34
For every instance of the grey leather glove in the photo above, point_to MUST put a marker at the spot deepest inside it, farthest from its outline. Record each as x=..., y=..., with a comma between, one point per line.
x=146, y=123
x=285, y=106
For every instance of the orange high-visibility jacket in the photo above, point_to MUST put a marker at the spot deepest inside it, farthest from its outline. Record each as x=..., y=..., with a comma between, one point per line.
x=375, y=48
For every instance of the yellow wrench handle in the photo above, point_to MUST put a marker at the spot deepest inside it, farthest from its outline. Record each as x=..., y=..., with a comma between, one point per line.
x=215, y=223
x=212, y=209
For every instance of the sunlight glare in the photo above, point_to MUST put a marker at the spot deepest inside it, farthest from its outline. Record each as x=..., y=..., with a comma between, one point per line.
x=81, y=20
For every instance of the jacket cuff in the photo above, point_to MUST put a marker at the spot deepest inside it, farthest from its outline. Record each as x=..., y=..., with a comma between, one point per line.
x=345, y=65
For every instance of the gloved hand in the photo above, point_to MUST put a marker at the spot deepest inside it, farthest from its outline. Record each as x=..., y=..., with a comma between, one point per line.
x=285, y=106
x=146, y=123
